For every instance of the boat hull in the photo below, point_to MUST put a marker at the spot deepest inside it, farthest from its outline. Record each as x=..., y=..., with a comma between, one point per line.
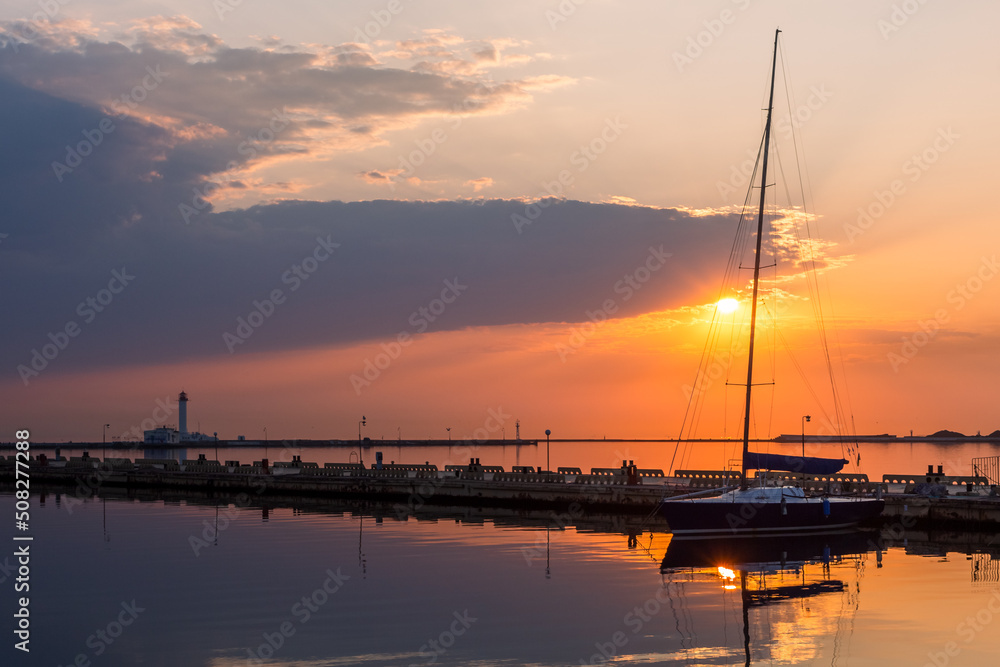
x=705, y=517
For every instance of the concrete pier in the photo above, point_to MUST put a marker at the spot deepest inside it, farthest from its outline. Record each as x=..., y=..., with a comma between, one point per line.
x=625, y=491
x=408, y=488
x=951, y=511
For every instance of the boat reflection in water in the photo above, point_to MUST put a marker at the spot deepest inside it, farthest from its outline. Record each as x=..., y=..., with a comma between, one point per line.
x=801, y=575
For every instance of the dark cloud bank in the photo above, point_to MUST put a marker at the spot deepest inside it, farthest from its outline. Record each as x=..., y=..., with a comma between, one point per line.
x=64, y=239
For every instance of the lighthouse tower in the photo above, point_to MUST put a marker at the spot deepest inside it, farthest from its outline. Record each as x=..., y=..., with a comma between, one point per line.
x=182, y=419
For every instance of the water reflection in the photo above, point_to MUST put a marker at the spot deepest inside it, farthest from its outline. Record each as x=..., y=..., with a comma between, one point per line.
x=985, y=569
x=782, y=581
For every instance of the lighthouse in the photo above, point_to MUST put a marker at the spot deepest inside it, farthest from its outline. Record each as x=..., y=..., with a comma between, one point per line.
x=182, y=419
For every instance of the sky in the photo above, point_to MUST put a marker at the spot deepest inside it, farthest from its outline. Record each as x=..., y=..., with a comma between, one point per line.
x=456, y=215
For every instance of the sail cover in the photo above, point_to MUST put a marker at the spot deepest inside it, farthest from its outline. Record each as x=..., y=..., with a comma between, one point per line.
x=808, y=465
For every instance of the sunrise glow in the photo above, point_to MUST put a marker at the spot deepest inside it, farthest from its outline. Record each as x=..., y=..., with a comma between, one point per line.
x=727, y=306
x=427, y=217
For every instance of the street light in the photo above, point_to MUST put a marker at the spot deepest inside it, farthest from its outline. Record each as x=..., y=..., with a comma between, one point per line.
x=805, y=419
x=104, y=442
x=265, y=442
x=361, y=456
x=448, y=428
x=547, y=434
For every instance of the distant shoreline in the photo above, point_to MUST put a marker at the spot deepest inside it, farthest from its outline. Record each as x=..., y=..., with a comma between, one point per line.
x=368, y=444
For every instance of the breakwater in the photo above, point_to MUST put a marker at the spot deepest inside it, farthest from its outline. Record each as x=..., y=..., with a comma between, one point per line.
x=366, y=443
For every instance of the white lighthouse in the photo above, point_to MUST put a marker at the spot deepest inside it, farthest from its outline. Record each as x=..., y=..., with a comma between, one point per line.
x=182, y=419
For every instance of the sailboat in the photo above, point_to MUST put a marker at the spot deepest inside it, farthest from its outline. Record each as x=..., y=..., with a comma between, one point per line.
x=765, y=509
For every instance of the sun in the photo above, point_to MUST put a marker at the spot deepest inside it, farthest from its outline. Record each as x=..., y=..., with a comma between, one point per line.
x=727, y=305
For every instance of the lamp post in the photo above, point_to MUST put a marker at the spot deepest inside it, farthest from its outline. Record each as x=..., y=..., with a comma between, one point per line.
x=361, y=456
x=805, y=419
x=448, y=428
x=547, y=434
x=104, y=442
x=265, y=442
x=399, y=433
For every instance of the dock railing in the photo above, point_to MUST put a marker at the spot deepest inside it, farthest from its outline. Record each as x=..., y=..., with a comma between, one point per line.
x=988, y=467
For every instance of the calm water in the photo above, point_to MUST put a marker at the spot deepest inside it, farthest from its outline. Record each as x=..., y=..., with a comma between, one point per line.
x=218, y=582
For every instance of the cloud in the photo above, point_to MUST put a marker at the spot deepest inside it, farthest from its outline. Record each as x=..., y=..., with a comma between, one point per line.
x=444, y=52
x=376, y=177
x=194, y=282
x=488, y=53
x=479, y=183
x=215, y=116
x=233, y=112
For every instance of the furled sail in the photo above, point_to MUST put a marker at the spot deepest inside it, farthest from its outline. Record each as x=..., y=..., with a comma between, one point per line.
x=808, y=465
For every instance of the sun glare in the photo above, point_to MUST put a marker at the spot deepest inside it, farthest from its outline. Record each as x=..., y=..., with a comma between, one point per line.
x=727, y=305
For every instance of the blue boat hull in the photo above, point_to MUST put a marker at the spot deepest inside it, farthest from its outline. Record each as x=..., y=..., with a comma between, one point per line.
x=701, y=517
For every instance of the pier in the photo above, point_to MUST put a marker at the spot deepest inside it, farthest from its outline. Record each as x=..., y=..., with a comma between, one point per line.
x=627, y=491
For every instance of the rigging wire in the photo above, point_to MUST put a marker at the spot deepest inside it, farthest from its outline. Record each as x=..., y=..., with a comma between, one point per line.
x=815, y=291
x=732, y=267
x=807, y=260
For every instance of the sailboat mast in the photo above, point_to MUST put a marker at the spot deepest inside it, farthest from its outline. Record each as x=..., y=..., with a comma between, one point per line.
x=756, y=264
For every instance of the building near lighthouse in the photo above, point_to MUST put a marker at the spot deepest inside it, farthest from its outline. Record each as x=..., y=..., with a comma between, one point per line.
x=168, y=435
x=163, y=435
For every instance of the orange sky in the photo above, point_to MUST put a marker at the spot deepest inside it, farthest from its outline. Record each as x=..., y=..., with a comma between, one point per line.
x=894, y=121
